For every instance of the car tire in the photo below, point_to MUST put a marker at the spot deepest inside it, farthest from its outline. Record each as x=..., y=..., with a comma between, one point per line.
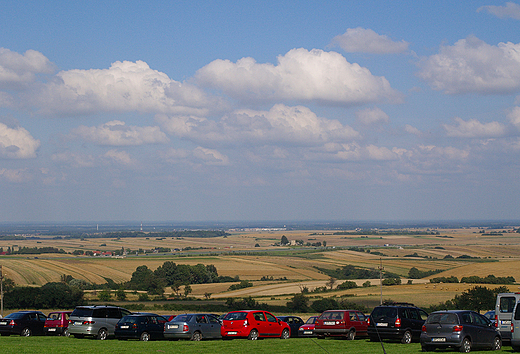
x=351, y=335
x=26, y=332
x=196, y=336
x=466, y=346
x=285, y=334
x=66, y=333
x=144, y=337
x=497, y=343
x=407, y=337
x=253, y=335
x=102, y=334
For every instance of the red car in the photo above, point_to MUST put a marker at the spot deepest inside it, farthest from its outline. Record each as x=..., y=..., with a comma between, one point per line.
x=57, y=323
x=307, y=329
x=346, y=323
x=253, y=324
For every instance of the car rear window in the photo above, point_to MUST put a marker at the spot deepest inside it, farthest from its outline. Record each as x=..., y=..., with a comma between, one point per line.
x=15, y=315
x=506, y=304
x=183, y=318
x=236, y=316
x=443, y=318
x=389, y=312
x=82, y=312
x=332, y=315
x=131, y=319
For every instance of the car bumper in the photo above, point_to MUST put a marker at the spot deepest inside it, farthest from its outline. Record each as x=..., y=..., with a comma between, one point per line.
x=183, y=335
x=454, y=340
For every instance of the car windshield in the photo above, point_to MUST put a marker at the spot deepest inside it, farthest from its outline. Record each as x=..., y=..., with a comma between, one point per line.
x=332, y=315
x=390, y=312
x=443, y=318
x=82, y=312
x=15, y=315
x=311, y=320
x=183, y=318
x=236, y=316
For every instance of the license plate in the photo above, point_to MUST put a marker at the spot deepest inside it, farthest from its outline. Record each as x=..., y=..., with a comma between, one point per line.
x=52, y=329
x=505, y=322
x=77, y=323
x=307, y=332
x=3, y=323
x=125, y=327
x=382, y=324
x=173, y=326
x=329, y=323
x=232, y=333
x=438, y=339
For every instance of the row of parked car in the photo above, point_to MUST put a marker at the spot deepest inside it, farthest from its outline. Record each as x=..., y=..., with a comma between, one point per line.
x=463, y=330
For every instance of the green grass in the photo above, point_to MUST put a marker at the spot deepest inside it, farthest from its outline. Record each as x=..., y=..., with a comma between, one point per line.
x=17, y=344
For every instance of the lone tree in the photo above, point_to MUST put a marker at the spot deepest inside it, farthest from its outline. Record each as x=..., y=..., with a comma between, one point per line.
x=284, y=240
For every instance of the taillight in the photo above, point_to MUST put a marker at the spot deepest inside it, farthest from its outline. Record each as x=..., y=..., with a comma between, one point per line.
x=397, y=322
x=496, y=320
x=134, y=325
x=88, y=322
x=512, y=327
x=368, y=321
x=185, y=328
x=12, y=323
x=423, y=328
x=457, y=328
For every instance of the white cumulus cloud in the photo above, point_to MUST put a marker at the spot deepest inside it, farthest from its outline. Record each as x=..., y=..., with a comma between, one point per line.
x=281, y=124
x=471, y=65
x=316, y=75
x=17, y=143
x=126, y=86
x=474, y=129
x=509, y=10
x=514, y=117
x=18, y=68
x=372, y=116
x=367, y=41
x=117, y=133
x=121, y=157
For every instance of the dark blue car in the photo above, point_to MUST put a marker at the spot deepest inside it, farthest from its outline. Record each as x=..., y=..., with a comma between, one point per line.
x=142, y=326
x=24, y=323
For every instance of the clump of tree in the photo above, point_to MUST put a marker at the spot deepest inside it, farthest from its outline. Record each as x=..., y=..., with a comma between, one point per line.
x=242, y=285
x=451, y=279
x=415, y=273
x=245, y=304
x=299, y=303
x=48, y=296
x=347, y=285
x=490, y=279
x=392, y=281
x=353, y=272
x=478, y=298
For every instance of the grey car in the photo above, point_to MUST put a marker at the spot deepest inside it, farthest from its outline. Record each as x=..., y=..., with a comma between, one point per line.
x=193, y=326
x=97, y=321
x=459, y=329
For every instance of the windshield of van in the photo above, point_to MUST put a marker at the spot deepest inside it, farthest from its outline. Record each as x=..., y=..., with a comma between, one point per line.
x=506, y=304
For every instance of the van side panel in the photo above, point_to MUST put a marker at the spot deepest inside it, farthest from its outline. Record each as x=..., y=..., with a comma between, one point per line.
x=504, y=311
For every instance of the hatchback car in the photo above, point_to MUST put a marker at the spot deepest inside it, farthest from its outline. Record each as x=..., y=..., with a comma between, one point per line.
x=97, y=321
x=193, y=326
x=24, y=323
x=345, y=323
x=57, y=323
x=294, y=323
x=463, y=330
x=142, y=326
x=253, y=324
x=397, y=321
x=307, y=329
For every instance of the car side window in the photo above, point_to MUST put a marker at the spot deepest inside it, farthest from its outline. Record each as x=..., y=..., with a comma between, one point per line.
x=466, y=317
x=99, y=313
x=353, y=316
x=213, y=319
x=423, y=315
x=298, y=321
x=114, y=313
x=414, y=314
x=478, y=320
x=270, y=318
x=405, y=313
x=124, y=312
x=41, y=317
x=259, y=316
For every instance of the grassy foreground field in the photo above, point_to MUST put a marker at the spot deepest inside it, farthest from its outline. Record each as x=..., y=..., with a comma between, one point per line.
x=16, y=344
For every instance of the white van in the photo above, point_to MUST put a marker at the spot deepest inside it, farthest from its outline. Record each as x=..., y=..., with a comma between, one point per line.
x=503, y=314
x=515, y=328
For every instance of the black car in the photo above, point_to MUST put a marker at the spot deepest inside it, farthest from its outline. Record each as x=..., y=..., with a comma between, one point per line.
x=24, y=323
x=294, y=323
x=460, y=329
x=398, y=321
x=142, y=326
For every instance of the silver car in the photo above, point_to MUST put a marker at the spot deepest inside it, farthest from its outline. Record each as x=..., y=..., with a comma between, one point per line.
x=194, y=326
x=97, y=321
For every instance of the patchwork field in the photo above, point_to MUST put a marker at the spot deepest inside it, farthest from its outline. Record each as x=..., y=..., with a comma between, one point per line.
x=253, y=254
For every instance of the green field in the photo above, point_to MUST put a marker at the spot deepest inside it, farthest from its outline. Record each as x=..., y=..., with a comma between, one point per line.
x=16, y=344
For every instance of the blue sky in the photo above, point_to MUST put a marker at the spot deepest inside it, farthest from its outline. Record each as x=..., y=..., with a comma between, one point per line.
x=259, y=110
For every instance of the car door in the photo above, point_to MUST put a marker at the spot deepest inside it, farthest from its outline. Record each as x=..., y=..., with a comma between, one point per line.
x=40, y=323
x=202, y=324
x=214, y=327
x=260, y=323
x=358, y=318
x=274, y=325
x=486, y=332
x=113, y=316
x=297, y=323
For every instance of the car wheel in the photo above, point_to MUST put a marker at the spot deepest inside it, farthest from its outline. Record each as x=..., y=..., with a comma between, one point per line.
x=497, y=343
x=145, y=337
x=102, y=334
x=466, y=346
x=285, y=334
x=66, y=333
x=407, y=337
x=197, y=337
x=26, y=332
x=253, y=335
x=351, y=335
